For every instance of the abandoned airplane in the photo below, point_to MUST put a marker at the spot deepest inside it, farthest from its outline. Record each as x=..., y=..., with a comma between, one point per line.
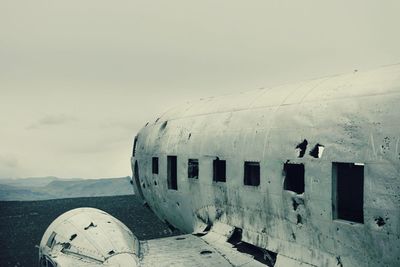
x=306, y=174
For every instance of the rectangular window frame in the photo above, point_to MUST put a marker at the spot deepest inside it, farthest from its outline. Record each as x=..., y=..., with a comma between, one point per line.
x=154, y=165
x=251, y=175
x=219, y=170
x=193, y=168
x=293, y=181
x=344, y=192
x=50, y=242
x=172, y=172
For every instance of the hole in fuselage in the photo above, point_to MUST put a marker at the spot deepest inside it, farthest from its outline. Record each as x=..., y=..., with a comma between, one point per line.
x=293, y=236
x=90, y=225
x=302, y=148
x=380, y=221
x=317, y=151
x=73, y=237
x=299, y=219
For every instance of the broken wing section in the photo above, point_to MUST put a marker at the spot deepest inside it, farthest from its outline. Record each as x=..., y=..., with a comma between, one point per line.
x=191, y=250
x=220, y=246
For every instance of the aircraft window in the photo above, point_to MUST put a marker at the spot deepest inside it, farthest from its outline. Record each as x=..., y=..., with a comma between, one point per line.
x=155, y=165
x=294, y=177
x=172, y=173
x=137, y=179
x=134, y=146
x=50, y=241
x=348, y=191
x=252, y=173
x=193, y=168
x=219, y=170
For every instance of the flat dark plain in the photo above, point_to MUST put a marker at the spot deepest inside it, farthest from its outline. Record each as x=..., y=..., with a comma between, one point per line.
x=23, y=223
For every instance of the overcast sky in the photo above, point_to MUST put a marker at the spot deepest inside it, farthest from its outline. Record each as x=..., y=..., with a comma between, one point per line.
x=78, y=79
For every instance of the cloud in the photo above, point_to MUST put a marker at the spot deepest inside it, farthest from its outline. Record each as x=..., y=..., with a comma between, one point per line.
x=51, y=120
x=9, y=166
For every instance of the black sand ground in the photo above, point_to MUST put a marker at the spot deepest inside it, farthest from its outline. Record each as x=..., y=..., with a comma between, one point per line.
x=22, y=223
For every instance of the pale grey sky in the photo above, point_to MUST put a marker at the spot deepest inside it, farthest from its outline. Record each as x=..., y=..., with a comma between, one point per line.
x=78, y=79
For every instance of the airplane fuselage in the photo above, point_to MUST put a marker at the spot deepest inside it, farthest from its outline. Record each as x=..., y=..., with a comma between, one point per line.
x=308, y=170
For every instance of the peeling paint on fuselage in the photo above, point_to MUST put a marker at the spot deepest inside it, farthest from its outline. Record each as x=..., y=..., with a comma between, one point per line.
x=356, y=118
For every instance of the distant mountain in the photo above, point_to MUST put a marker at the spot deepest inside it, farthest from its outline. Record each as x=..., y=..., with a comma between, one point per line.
x=29, y=182
x=9, y=192
x=41, y=188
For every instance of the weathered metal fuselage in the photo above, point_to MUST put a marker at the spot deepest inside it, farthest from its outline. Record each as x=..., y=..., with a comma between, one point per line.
x=355, y=118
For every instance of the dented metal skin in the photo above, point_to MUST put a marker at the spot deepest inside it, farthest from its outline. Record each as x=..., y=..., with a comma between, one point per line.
x=353, y=118
x=88, y=237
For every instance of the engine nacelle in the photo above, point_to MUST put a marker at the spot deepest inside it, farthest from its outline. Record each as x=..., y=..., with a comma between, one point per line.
x=88, y=237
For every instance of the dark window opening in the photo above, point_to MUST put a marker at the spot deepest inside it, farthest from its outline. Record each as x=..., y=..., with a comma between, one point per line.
x=252, y=173
x=294, y=177
x=172, y=178
x=219, y=170
x=155, y=165
x=51, y=240
x=137, y=188
x=134, y=146
x=348, y=191
x=193, y=168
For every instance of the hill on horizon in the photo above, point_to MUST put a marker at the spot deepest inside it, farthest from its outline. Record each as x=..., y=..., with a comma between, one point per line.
x=42, y=188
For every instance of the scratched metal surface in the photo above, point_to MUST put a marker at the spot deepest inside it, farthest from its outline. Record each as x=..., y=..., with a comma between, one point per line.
x=189, y=250
x=89, y=237
x=355, y=116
